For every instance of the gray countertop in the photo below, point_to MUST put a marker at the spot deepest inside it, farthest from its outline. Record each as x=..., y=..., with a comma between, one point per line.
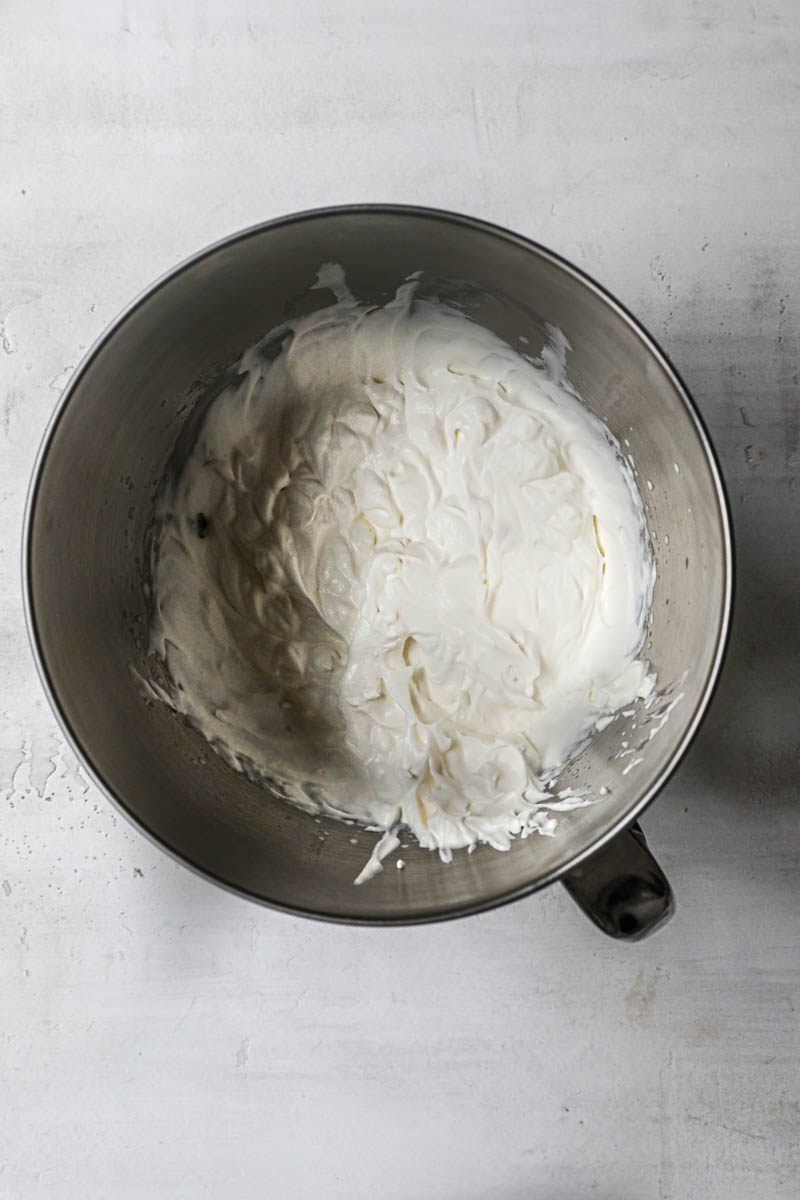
x=161, y=1038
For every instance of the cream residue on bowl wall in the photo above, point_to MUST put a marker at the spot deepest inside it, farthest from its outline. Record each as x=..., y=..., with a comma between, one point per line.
x=404, y=573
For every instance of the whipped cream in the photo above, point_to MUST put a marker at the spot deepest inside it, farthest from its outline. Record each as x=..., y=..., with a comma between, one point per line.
x=403, y=573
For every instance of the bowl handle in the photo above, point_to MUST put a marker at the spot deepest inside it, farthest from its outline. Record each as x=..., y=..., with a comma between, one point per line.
x=622, y=888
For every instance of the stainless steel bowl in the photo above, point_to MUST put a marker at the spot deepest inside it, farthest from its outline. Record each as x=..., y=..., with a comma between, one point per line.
x=91, y=500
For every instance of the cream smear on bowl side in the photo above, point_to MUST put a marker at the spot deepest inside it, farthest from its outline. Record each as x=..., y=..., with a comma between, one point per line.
x=404, y=572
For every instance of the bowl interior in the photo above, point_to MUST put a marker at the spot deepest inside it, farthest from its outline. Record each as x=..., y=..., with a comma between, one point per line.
x=106, y=454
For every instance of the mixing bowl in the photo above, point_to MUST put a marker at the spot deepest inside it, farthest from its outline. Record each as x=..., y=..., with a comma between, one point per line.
x=116, y=429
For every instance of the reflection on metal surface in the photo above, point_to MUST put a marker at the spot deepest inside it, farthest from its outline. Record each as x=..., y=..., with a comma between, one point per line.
x=622, y=888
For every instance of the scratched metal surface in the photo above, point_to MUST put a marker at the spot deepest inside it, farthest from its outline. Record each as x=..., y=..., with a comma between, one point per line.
x=159, y=1037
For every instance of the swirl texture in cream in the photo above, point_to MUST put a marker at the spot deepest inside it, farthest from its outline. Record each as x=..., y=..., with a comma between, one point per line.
x=403, y=573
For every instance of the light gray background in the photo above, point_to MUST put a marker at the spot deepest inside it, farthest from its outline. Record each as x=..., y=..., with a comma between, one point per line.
x=160, y=1038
